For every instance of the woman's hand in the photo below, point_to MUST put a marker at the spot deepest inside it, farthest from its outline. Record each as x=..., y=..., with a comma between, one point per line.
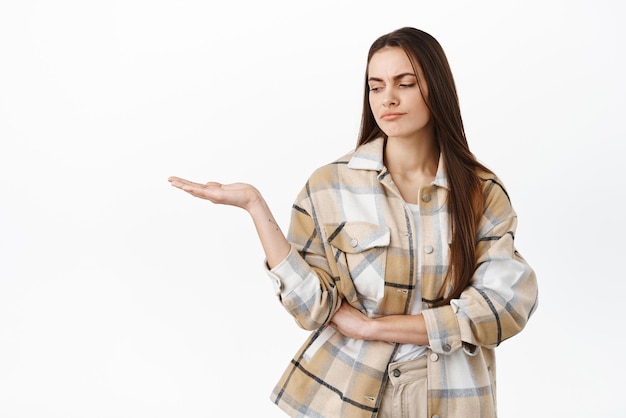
x=241, y=195
x=247, y=197
x=351, y=322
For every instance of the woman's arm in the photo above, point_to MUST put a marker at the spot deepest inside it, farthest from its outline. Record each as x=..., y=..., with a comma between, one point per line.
x=247, y=197
x=405, y=329
x=302, y=276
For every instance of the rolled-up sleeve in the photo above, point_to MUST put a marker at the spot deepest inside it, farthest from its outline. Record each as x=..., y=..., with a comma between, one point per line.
x=503, y=291
x=303, y=280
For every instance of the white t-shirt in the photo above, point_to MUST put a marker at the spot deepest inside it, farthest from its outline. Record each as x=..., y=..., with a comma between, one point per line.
x=411, y=351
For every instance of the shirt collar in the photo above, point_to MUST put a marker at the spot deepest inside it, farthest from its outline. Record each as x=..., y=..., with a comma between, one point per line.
x=369, y=156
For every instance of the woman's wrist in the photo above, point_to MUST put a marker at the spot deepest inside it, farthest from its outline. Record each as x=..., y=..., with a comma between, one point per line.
x=273, y=241
x=258, y=208
x=369, y=329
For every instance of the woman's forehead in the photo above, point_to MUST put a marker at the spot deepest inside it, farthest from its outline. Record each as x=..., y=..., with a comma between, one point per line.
x=392, y=60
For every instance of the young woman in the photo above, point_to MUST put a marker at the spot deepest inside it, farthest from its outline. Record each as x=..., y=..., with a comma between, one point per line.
x=400, y=255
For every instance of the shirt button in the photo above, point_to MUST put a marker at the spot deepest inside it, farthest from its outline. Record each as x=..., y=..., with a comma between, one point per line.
x=426, y=197
x=446, y=347
x=354, y=242
x=434, y=357
x=428, y=249
x=397, y=373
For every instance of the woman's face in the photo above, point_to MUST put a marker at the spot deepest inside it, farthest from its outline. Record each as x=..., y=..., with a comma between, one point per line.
x=395, y=97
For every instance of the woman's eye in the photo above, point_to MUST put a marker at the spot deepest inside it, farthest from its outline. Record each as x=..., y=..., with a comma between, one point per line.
x=375, y=89
x=406, y=85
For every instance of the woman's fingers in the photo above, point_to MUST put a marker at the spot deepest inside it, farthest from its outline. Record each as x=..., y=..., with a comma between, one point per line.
x=236, y=194
x=181, y=183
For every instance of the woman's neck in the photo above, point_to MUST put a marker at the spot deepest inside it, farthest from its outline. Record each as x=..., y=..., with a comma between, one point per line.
x=412, y=157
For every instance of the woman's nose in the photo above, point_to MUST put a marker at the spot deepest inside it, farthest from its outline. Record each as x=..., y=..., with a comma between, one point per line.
x=390, y=100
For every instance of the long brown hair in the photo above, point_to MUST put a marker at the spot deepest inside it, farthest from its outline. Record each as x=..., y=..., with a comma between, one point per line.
x=465, y=200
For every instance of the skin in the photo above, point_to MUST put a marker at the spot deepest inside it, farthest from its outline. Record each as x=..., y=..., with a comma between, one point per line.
x=398, y=103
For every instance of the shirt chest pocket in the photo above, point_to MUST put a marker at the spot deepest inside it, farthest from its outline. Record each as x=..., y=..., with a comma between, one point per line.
x=362, y=249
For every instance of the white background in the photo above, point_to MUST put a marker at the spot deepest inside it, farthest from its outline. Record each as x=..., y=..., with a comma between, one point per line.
x=121, y=296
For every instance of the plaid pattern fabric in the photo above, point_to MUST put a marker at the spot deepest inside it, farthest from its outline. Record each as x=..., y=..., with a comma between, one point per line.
x=353, y=238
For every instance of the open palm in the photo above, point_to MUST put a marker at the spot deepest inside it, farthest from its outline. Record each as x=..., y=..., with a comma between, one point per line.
x=236, y=194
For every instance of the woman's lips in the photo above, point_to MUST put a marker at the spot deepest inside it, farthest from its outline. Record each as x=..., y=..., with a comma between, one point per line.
x=389, y=116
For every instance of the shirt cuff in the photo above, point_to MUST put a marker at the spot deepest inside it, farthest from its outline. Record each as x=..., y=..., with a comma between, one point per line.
x=443, y=329
x=287, y=274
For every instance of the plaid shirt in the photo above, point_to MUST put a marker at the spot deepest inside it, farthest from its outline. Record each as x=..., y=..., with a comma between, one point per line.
x=353, y=238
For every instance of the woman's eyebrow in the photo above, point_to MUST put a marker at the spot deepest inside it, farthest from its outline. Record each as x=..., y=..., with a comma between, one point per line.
x=395, y=77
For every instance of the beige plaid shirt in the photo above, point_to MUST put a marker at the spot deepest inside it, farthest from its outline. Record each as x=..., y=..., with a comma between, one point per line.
x=353, y=239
